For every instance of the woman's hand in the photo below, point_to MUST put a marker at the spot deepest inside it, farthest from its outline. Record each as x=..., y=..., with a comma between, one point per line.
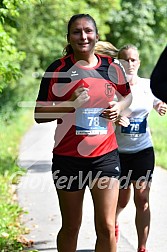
x=123, y=121
x=80, y=96
x=112, y=112
x=161, y=108
x=54, y=110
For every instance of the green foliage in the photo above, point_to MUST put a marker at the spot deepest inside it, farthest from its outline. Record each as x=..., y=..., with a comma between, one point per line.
x=9, y=225
x=10, y=211
x=33, y=34
x=9, y=54
x=10, y=137
x=43, y=27
x=141, y=23
x=32, y=38
x=10, y=58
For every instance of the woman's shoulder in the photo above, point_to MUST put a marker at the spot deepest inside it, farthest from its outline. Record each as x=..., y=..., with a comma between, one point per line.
x=105, y=58
x=57, y=64
x=144, y=82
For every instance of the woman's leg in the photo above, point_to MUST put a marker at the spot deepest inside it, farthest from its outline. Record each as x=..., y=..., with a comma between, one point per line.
x=142, y=220
x=125, y=183
x=123, y=199
x=71, y=212
x=105, y=196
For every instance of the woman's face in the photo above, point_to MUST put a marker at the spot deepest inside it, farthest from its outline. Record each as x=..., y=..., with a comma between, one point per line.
x=130, y=60
x=82, y=36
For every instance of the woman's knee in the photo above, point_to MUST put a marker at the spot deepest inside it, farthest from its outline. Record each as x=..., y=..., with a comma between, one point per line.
x=122, y=203
x=141, y=202
x=105, y=229
x=141, y=197
x=71, y=229
x=71, y=226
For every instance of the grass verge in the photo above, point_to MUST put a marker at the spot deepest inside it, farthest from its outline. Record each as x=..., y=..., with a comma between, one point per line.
x=158, y=125
x=10, y=227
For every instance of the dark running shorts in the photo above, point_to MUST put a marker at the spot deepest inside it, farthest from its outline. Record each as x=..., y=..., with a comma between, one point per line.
x=136, y=166
x=73, y=173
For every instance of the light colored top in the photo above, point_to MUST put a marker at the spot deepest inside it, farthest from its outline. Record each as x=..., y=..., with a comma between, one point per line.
x=137, y=136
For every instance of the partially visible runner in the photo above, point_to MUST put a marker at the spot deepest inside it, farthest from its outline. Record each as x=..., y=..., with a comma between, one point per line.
x=78, y=90
x=159, y=77
x=135, y=145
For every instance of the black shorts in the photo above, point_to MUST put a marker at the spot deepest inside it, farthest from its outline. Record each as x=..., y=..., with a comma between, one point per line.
x=136, y=166
x=73, y=173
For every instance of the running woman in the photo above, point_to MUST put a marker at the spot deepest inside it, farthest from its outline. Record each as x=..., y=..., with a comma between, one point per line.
x=78, y=90
x=135, y=145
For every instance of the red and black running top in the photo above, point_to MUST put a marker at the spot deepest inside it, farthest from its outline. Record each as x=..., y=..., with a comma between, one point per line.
x=84, y=133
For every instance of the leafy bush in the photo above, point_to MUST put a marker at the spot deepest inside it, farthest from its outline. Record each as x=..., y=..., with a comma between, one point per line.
x=10, y=211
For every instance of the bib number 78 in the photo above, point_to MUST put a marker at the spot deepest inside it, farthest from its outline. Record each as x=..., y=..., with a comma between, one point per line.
x=93, y=121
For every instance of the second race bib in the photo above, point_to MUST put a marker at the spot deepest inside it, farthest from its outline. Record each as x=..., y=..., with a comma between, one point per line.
x=136, y=126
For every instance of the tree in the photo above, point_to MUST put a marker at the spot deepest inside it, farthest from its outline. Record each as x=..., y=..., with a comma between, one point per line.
x=10, y=56
x=43, y=27
x=142, y=23
x=34, y=34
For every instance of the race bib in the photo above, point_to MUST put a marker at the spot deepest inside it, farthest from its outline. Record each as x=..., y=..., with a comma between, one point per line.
x=136, y=126
x=89, y=122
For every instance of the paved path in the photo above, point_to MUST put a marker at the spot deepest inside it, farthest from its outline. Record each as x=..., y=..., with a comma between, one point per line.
x=37, y=196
